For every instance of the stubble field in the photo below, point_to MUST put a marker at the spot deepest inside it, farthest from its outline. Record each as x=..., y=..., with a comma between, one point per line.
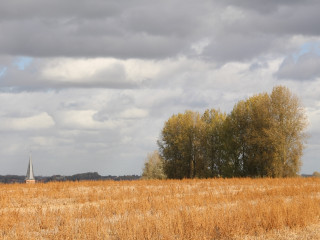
x=170, y=209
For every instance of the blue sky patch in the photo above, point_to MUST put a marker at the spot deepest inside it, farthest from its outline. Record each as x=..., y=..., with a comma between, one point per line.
x=23, y=62
x=3, y=71
x=308, y=47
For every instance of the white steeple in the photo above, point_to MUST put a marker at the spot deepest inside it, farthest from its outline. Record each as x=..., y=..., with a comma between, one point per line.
x=30, y=175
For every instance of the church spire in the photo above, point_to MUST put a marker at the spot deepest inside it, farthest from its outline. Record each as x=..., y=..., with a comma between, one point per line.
x=30, y=176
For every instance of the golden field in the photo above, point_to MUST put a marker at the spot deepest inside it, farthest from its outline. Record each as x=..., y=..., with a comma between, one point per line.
x=167, y=209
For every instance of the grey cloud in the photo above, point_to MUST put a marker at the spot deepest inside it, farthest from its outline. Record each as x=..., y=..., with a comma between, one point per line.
x=238, y=47
x=290, y=19
x=253, y=34
x=51, y=9
x=307, y=67
x=110, y=110
x=144, y=29
x=60, y=42
x=267, y=6
x=140, y=30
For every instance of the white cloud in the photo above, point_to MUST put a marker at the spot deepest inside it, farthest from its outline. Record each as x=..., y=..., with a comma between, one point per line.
x=99, y=72
x=314, y=116
x=134, y=113
x=65, y=69
x=36, y=122
x=82, y=119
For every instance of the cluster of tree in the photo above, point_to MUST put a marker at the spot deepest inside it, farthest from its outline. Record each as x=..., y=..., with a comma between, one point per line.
x=263, y=136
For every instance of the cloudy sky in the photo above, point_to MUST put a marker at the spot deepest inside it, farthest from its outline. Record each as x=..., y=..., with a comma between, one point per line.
x=88, y=85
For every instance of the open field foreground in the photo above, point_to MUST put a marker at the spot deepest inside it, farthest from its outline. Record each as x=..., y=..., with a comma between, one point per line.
x=171, y=209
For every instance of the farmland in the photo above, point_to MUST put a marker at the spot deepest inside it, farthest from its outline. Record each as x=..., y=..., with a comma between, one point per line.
x=167, y=209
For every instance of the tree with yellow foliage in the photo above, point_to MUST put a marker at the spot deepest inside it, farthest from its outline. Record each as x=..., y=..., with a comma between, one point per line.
x=267, y=134
x=180, y=146
x=287, y=133
x=213, y=142
x=154, y=167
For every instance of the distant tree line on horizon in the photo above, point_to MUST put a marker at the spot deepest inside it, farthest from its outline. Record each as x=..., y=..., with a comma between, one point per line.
x=263, y=136
x=88, y=176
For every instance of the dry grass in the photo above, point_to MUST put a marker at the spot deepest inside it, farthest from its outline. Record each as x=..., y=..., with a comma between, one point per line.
x=187, y=209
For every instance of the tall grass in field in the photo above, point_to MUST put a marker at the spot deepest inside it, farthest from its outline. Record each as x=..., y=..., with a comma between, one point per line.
x=166, y=209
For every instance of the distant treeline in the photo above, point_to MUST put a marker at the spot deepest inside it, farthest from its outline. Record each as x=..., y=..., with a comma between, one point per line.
x=94, y=176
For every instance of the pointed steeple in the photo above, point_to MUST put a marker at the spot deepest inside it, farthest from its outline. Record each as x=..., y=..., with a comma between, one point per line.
x=30, y=175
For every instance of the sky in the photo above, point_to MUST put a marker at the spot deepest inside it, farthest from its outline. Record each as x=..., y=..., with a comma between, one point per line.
x=88, y=85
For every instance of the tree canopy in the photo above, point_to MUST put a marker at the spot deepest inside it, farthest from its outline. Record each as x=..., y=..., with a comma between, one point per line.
x=263, y=136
